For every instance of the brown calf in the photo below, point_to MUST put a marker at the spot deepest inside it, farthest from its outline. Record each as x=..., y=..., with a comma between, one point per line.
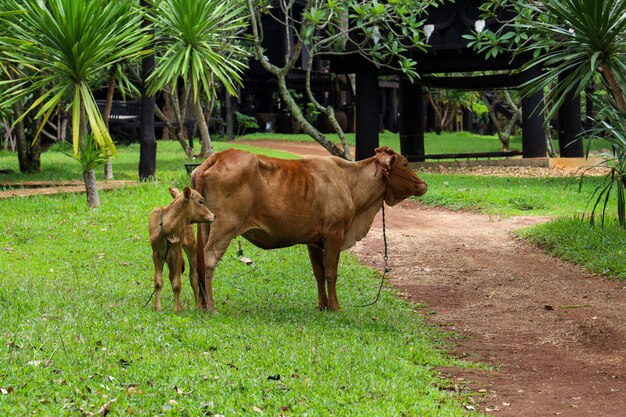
x=171, y=233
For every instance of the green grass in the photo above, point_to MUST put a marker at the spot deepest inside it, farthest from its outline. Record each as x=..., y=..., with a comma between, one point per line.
x=599, y=249
x=55, y=165
x=454, y=142
x=446, y=142
x=75, y=334
x=508, y=196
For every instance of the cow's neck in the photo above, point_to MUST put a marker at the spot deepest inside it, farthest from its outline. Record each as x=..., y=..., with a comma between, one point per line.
x=368, y=192
x=170, y=223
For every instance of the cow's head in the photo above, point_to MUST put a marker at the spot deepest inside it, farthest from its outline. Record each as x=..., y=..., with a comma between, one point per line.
x=402, y=182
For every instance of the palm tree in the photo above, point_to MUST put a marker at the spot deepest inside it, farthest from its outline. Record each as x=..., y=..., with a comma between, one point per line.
x=63, y=46
x=196, y=41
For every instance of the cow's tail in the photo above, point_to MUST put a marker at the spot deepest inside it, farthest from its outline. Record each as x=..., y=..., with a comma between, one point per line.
x=197, y=183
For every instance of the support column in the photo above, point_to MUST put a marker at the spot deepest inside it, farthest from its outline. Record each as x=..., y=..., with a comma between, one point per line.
x=412, y=114
x=570, y=126
x=367, y=113
x=392, y=109
x=533, y=134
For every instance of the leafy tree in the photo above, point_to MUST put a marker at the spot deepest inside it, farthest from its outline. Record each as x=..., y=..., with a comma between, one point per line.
x=197, y=42
x=61, y=47
x=572, y=41
x=379, y=32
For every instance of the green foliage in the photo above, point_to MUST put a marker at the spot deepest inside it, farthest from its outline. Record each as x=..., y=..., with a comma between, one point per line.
x=381, y=32
x=58, y=48
x=89, y=155
x=76, y=335
x=573, y=41
x=197, y=40
x=245, y=122
x=601, y=250
x=613, y=131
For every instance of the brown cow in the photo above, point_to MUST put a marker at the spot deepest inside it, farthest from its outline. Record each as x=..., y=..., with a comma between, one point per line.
x=171, y=233
x=327, y=203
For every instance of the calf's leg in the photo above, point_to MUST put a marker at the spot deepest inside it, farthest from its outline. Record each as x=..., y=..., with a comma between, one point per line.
x=175, y=264
x=316, y=254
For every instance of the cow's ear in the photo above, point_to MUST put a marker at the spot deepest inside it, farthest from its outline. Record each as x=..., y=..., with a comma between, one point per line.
x=174, y=192
x=387, y=160
x=187, y=193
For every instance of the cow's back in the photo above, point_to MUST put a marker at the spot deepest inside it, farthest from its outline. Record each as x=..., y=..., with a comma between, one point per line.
x=274, y=202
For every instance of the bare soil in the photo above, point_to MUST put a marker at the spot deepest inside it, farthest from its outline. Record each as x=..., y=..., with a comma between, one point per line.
x=553, y=334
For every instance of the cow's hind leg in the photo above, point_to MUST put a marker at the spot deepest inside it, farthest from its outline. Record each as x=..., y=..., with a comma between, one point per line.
x=192, y=258
x=216, y=246
x=158, y=280
x=316, y=254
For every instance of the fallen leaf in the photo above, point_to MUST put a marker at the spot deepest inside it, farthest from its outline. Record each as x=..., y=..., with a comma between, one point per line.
x=104, y=410
x=257, y=409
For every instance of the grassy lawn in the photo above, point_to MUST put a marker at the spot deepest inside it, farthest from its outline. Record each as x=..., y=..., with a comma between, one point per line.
x=75, y=334
x=457, y=142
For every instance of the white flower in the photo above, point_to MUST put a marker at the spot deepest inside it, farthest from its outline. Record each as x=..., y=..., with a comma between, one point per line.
x=479, y=25
x=428, y=30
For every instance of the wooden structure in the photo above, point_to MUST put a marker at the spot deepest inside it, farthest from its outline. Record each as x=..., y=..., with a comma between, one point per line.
x=449, y=54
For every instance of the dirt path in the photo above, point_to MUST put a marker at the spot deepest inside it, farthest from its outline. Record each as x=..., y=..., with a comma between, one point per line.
x=555, y=335
x=29, y=188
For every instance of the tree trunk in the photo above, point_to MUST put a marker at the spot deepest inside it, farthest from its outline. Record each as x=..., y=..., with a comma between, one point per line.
x=93, y=199
x=328, y=111
x=89, y=175
x=301, y=122
x=28, y=152
x=147, y=137
x=614, y=88
x=228, y=104
x=203, y=128
x=106, y=115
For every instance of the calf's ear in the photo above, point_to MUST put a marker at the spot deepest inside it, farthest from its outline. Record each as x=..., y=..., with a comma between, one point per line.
x=174, y=192
x=187, y=193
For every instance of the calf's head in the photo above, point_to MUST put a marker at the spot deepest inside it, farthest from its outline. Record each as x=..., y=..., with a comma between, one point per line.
x=192, y=205
x=402, y=182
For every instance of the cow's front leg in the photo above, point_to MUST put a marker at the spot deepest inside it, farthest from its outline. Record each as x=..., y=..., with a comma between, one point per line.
x=316, y=254
x=176, y=271
x=332, y=250
x=158, y=280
